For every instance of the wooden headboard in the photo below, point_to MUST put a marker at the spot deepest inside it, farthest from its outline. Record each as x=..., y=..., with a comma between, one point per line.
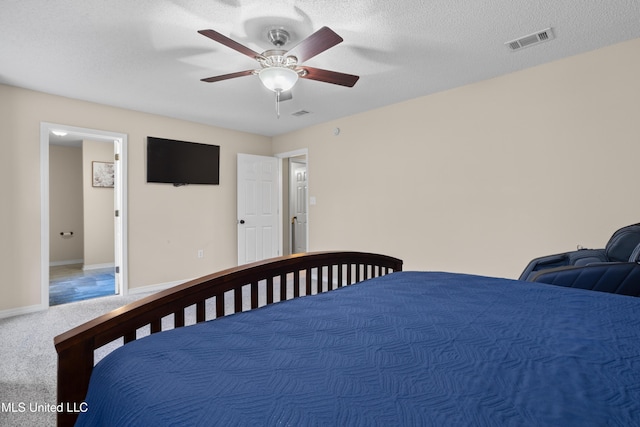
x=308, y=273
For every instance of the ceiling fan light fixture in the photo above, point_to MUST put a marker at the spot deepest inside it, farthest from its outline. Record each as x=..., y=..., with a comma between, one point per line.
x=278, y=79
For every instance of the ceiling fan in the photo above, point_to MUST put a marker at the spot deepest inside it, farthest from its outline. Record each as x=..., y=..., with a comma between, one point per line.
x=280, y=69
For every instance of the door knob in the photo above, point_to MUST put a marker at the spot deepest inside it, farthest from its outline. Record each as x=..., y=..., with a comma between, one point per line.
x=241, y=221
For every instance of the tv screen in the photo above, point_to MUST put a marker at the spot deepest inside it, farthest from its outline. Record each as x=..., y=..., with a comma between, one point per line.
x=182, y=162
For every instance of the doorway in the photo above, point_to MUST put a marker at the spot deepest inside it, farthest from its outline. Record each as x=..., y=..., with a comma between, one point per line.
x=294, y=197
x=264, y=189
x=91, y=265
x=298, y=190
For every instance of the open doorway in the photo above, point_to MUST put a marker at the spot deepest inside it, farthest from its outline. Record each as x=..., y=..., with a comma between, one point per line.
x=83, y=223
x=298, y=190
x=295, y=201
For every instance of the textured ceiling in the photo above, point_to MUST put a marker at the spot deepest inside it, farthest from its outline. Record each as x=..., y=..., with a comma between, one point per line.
x=146, y=55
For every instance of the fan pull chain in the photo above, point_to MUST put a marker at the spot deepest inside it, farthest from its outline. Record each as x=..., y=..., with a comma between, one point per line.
x=278, y=103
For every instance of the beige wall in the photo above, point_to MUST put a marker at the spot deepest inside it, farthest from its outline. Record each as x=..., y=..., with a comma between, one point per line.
x=65, y=204
x=167, y=225
x=99, y=235
x=482, y=178
x=479, y=179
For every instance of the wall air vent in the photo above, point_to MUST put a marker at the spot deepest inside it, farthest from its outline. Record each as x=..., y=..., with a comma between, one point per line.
x=530, y=40
x=300, y=113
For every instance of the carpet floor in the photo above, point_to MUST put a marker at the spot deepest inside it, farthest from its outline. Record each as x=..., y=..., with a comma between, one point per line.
x=28, y=359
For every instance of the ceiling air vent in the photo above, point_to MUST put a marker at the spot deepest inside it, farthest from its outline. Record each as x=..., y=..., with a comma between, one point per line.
x=300, y=113
x=530, y=40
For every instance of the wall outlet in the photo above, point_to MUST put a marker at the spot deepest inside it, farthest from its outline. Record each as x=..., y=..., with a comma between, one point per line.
x=200, y=253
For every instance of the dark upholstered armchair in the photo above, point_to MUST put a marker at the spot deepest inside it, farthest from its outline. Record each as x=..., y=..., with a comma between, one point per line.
x=622, y=247
x=612, y=277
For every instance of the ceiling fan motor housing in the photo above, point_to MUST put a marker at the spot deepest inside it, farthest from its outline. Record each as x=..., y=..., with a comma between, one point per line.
x=278, y=70
x=277, y=58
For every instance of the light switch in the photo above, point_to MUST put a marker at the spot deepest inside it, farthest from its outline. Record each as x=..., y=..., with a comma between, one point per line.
x=312, y=200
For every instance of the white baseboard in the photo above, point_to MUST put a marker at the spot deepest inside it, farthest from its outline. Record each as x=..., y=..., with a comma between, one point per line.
x=21, y=310
x=98, y=266
x=139, y=290
x=67, y=262
x=325, y=279
x=155, y=288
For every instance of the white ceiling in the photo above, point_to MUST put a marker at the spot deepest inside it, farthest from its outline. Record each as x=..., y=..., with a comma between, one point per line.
x=146, y=55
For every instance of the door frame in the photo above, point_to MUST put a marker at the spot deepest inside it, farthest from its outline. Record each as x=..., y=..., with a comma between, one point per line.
x=285, y=157
x=120, y=147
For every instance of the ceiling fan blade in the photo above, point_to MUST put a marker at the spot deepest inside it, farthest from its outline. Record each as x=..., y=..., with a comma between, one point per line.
x=327, y=76
x=216, y=36
x=316, y=43
x=227, y=76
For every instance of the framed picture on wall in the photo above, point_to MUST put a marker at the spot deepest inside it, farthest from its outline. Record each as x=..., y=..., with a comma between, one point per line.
x=103, y=174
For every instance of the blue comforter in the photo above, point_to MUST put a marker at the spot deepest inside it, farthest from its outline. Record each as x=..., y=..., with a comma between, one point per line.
x=407, y=349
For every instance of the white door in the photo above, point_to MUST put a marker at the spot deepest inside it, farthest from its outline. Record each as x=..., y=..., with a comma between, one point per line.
x=298, y=205
x=258, y=230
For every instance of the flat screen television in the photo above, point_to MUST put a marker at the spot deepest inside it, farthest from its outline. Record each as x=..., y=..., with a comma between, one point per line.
x=181, y=162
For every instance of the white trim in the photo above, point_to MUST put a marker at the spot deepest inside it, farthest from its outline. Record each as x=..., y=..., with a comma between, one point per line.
x=22, y=310
x=281, y=214
x=122, y=257
x=95, y=134
x=156, y=288
x=98, y=266
x=294, y=153
x=325, y=278
x=44, y=216
x=67, y=262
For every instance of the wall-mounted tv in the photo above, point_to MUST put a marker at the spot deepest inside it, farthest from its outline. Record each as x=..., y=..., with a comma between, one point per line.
x=181, y=162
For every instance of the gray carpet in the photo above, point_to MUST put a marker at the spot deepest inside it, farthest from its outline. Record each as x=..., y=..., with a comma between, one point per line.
x=28, y=358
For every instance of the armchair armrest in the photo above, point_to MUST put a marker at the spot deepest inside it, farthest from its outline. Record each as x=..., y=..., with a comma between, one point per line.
x=544, y=262
x=617, y=278
x=580, y=257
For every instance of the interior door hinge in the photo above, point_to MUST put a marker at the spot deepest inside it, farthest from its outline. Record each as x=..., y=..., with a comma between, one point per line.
x=117, y=157
x=117, y=213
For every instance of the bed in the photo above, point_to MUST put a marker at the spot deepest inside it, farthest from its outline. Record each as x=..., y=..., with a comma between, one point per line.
x=391, y=348
x=210, y=297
